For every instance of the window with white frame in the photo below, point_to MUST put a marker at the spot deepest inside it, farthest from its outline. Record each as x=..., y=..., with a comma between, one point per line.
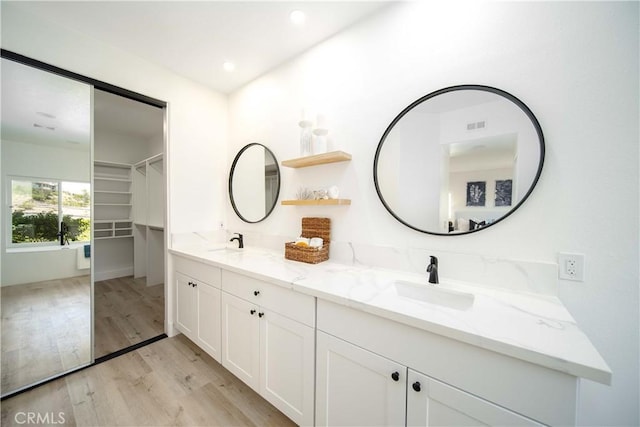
x=43, y=208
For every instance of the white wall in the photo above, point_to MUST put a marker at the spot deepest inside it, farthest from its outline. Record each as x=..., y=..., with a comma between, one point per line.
x=197, y=116
x=119, y=148
x=39, y=161
x=574, y=64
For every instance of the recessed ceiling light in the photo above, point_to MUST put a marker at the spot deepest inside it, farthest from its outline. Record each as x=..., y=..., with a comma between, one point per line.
x=229, y=66
x=298, y=17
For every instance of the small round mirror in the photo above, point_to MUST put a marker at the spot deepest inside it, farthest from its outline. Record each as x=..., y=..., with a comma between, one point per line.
x=458, y=160
x=254, y=183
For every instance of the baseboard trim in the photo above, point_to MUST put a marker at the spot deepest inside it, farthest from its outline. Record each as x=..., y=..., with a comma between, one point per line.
x=112, y=274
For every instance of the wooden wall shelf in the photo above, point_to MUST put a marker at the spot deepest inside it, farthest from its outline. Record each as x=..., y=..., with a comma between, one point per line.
x=322, y=202
x=318, y=159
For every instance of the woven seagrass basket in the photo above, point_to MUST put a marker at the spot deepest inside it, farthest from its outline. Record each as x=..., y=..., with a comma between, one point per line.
x=311, y=227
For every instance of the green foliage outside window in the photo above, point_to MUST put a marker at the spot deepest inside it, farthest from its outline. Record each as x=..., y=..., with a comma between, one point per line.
x=43, y=227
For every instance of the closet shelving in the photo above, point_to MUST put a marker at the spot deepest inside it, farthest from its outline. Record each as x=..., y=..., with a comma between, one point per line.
x=112, y=200
x=148, y=219
x=129, y=203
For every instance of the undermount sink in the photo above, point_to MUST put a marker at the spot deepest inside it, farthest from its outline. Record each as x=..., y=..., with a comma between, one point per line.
x=225, y=249
x=433, y=294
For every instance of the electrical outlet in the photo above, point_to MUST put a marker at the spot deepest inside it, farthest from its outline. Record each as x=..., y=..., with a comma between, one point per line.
x=571, y=267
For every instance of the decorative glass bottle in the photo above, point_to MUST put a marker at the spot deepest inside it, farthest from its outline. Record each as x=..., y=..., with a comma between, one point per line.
x=305, y=136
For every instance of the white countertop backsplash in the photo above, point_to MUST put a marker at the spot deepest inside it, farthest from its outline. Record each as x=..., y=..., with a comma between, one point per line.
x=515, y=311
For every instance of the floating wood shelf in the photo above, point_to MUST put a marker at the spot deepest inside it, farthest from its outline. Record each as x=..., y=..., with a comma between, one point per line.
x=318, y=159
x=323, y=202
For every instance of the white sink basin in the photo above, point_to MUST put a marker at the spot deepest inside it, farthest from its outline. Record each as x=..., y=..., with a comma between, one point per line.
x=433, y=294
x=225, y=249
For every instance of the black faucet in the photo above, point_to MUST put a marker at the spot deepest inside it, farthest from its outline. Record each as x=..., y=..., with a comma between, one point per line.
x=432, y=269
x=239, y=239
x=63, y=234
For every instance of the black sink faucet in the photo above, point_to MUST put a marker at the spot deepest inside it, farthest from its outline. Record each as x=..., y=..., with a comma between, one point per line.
x=432, y=269
x=239, y=239
x=63, y=234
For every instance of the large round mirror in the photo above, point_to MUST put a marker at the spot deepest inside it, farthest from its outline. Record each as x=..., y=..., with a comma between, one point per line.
x=458, y=160
x=254, y=182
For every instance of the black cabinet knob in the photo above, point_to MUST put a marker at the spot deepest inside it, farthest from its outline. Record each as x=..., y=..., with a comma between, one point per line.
x=260, y=314
x=253, y=312
x=395, y=376
x=256, y=293
x=416, y=386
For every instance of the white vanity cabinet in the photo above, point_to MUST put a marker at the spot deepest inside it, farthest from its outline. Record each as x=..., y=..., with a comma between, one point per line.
x=440, y=381
x=268, y=341
x=434, y=403
x=198, y=304
x=355, y=387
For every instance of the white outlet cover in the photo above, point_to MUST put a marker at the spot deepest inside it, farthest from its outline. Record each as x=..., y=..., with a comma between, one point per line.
x=571, y=266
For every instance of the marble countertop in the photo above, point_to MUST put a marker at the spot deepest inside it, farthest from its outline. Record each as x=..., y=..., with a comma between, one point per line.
x=534, y=328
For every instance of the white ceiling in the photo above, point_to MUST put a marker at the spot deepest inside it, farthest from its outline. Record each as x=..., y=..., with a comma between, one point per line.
x=44, y=108
x=194, y=38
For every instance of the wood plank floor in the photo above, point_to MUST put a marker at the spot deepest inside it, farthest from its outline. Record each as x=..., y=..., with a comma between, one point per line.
x=46, y=326
x=46, y=329
x=126, y=312
x=170, y=382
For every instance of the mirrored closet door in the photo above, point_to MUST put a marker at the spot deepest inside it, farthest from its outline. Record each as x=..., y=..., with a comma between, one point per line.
x=46, y=254
x=129, y=222
x=82, y=224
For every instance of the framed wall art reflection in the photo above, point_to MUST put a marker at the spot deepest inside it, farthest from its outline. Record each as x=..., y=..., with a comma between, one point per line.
x=504, y=190
x=476, y=193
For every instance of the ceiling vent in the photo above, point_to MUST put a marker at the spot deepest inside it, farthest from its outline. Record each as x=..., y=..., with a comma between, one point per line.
x=477, y=125
x=36, y=125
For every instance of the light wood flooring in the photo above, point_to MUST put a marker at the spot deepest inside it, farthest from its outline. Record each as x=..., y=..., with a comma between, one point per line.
x=169, y=382
x=46, y=329
x=126, y=312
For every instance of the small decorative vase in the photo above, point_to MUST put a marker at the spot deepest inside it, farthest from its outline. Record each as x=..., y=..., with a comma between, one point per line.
x=320, y=141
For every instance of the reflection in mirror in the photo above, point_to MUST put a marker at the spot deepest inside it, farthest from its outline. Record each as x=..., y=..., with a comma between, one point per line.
x=458, y=160
x=254, y=183
x=46, y=225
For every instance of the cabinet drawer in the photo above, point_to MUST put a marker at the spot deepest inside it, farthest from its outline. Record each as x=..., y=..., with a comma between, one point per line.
x=284, y=301
x=198, y=270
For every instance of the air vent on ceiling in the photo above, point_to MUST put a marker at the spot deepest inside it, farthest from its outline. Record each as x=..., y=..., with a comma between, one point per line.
x=36, y=125
x=477, y=125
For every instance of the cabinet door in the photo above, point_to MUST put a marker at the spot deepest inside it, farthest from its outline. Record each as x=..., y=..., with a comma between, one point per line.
x=209, y=319
x=287, y=365
x=186, y=314
x=433, y=403
x=355, y=387
x=241, y=339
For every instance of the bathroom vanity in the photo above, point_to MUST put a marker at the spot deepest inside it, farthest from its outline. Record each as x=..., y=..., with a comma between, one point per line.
x=335, y=344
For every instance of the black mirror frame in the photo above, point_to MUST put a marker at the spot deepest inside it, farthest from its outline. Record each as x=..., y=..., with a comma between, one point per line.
x=417, y=102
x=233, y=167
